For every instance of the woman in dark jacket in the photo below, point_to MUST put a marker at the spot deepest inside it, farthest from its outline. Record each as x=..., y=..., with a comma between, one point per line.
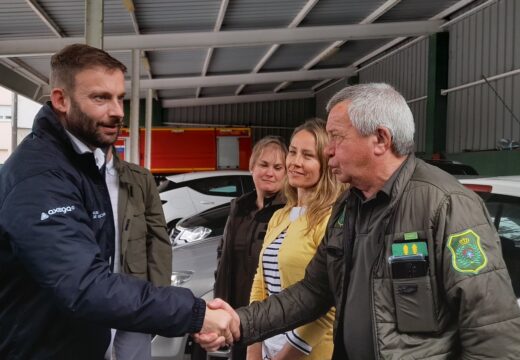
x=246, y=226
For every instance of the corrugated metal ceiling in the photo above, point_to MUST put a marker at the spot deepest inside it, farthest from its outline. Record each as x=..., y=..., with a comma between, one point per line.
x=18, y=22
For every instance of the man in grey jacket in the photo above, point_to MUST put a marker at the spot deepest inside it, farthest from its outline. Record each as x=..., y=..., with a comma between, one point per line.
x=410, y=259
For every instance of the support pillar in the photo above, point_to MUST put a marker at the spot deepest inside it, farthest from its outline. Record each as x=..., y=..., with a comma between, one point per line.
x=148, y=130
x=134, y=107
x=94, y=23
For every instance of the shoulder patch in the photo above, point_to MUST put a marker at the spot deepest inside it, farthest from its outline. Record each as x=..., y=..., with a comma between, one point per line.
x=466, y=253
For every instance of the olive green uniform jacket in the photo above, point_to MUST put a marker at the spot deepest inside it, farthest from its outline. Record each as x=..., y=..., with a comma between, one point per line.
x=146, y=250
x=451, y=313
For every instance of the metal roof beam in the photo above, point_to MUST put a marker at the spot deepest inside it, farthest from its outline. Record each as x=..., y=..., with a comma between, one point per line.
x=13, y=81
x=294, y=23
x=216, y=100
x=335, y=46
x=218, y=25
x=233, y=38
x=237, y=79
x=450, y=10
x=45, y=18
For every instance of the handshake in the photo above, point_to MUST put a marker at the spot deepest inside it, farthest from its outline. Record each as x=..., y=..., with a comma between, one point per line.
x=221, y=326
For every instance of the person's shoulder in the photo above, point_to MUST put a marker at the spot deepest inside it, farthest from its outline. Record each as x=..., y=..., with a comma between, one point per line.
x=134, y=168
x=279, y=214
x=244, y=202
x=434, y=176
x=435, y=183
x=246, y=198
x=33, y=156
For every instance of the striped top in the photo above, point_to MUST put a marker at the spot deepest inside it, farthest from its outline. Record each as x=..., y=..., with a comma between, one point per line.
x=270, y=264
x=273, y=286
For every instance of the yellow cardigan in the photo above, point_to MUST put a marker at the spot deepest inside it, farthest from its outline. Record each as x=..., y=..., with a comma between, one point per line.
x=295, y=253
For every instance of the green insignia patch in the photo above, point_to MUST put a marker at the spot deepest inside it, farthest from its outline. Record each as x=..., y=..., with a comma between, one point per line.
x=409, y=248
x=466, y=253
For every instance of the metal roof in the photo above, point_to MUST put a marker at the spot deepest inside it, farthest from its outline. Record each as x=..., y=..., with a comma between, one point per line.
x=212, y=39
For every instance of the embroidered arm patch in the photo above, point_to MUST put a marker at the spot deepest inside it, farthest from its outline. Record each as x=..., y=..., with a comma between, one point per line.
x=466, y=253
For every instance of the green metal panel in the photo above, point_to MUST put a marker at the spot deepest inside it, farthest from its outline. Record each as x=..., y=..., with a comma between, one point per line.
x=157, y=112
x=436, y=104
x=490, y=163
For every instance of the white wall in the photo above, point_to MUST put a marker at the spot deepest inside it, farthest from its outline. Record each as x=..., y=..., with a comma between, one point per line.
x=27, y=110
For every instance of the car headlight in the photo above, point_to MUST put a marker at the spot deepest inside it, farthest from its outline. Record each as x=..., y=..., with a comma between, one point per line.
x=180, y=277
x=191, y=234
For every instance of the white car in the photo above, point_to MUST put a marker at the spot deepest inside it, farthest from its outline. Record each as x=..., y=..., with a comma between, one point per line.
x=502, y=197
x=187, y=194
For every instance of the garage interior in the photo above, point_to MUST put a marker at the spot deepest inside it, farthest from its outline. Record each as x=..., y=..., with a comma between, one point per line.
x=271, y=64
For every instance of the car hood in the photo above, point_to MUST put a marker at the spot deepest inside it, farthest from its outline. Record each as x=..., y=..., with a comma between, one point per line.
x=200, y=258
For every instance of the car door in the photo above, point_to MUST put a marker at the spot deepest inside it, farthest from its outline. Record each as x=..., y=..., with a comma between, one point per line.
x=210, y=192
x=505, y=213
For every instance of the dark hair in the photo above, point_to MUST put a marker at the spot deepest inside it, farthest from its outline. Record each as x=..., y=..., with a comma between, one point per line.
x=74, y=58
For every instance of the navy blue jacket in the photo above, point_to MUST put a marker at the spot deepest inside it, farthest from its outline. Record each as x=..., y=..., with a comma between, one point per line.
x=58, y=298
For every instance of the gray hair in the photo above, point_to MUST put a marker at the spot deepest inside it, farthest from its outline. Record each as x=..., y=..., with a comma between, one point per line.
x=376, y=105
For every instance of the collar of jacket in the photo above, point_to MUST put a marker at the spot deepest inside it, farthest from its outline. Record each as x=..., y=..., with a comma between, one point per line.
x=122, y=171
x=406, y=171
x=247, y=203
x=47, y=125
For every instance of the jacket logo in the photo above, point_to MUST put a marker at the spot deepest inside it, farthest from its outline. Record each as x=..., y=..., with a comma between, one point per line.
x=340, y=220
x=466, y=253
x=59, y=210
x=96, y=214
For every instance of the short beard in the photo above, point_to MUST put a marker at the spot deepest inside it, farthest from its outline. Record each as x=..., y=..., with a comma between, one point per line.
x=85, y=128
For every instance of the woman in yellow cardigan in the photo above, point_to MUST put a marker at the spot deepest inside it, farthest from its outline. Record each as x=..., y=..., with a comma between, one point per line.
x=292, y=237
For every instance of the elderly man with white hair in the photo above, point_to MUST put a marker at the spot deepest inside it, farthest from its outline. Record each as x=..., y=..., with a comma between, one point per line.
x=410, y=259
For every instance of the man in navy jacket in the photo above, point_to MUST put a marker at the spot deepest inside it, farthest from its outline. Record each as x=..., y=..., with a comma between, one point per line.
x=58, y=295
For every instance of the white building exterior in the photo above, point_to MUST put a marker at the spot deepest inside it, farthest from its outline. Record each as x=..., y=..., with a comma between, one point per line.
x=27, y=109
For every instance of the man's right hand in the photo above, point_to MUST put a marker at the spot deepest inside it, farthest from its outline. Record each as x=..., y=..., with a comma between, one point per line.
x=221, y=326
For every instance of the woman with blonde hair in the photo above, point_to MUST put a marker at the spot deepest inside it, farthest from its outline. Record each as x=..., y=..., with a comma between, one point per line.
x=293, y=235
x=247, y=224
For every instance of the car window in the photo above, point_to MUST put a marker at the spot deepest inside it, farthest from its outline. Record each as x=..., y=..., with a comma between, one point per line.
x=505, y=213
x=247, y=182
x=217, y=186
x=167, y=185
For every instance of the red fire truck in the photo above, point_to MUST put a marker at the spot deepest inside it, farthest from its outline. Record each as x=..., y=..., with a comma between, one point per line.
x=179, y=150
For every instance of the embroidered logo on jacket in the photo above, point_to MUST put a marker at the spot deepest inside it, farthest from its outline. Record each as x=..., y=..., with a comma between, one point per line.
x=341, y=219
x=59, y=210
x=466, y=253
x=96, y=214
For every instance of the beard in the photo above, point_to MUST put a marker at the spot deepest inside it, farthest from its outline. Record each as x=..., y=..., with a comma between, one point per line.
x=90, y=130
